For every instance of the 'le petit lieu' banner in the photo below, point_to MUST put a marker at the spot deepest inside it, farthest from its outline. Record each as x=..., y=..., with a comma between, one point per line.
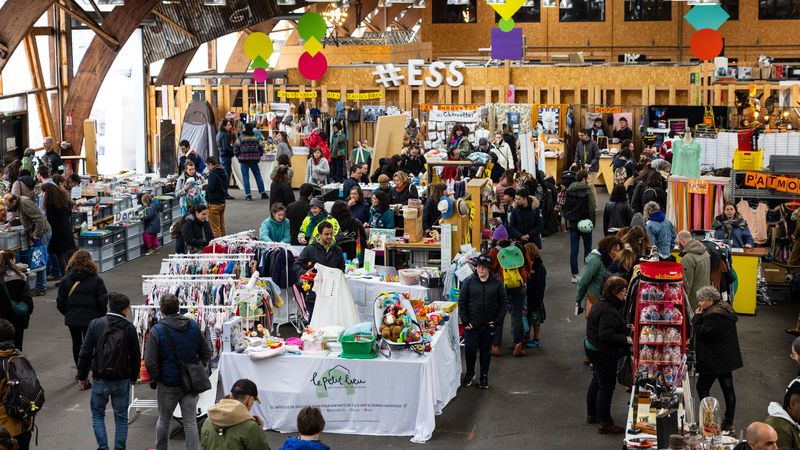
x=765, y=181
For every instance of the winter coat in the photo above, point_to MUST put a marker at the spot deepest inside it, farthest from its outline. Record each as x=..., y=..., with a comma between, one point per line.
x=588, y=153
x=430, y=215
x=19, y=290
x=159, y=359
x=196, y=235
x=316, y=253
x=63, y=238
x=527, y=221
x=616, y=215
x=590, y=197
x=152, y=219
x=661, y=233
x=734, y=230
x=294, y=443
x=88, y=301
x=248, y=148
x=505, y=158
x=361, y=211
x=217, y=187
x=606, y=329
x=181, y=182
x=482, y=302
x=338, y=145
x=273, y=231
x=224, y=146
x=281, y=192
x=53, y=161
x=378, y=219
x=593, y=276
x=788, y=430
x=231, y=427
x=32, y=219
x=696, y=262
x=314, y=140
x=283, y=149
x=716, y=340
x=97, y=328
x=351, y=236
x=24, y=187
x=653, y=194
x=401, y=197
x=310, y=223
x=296, y=213
x=317, y=171
x=413, y=165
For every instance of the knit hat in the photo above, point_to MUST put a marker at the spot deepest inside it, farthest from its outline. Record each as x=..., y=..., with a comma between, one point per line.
x=500, y=233
x=316, y=201
x=638, y=219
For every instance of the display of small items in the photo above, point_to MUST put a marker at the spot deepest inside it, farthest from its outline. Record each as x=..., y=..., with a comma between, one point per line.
x=660, y=338
x=398, y=326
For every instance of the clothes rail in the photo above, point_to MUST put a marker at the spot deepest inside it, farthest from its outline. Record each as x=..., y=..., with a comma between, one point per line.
x=208, y=256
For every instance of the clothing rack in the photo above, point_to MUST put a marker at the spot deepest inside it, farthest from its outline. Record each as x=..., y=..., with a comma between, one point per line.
x=148, y=280
x=240, y=235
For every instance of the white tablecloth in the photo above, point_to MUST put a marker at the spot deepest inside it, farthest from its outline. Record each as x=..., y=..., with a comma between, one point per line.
x=365, y=291
x=400, y=396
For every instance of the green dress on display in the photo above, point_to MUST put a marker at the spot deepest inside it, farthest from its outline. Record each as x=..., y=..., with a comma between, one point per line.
x=686, y=159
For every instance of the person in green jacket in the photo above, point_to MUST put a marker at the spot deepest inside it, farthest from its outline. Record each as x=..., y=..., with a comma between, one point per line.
x=594, y=270
x=786, y=419
x=696, y=262
x=316, y=215
x=275, y=228
x=230, y=425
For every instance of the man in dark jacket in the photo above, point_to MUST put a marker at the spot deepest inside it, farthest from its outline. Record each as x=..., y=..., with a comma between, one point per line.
x=216, y=192
x=579, y=204
x=525, y=223
x=298, y=210
x=587, y=156
x=174, y=338
x=338, y=153
x=357, y=171
x=51, y=159
x=36, y=228
x=760, y=436
x=322, y=251
x=225, y=149
x=482, y=304
x=111, y=349
x=717, y=351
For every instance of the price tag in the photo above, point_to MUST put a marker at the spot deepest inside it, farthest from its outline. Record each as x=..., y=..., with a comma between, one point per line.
x=464, y=272
x=698, y=186
x=89, y=220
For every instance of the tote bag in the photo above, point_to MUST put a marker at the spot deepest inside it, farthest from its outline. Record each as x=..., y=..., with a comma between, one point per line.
x=38, y=258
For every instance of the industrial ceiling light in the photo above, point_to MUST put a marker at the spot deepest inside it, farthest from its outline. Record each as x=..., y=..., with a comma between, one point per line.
x=565, y=4
x=286, y=2
x=496, y=2
x=111, y=2
x=214, y=2
x=419, y=4
x=545, y=3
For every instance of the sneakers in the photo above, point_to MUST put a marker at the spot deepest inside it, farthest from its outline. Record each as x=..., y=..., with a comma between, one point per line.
x=466, y=381
x=519, y=350
x=230, y=197
x=576, y=279
x=609, y=428
x=533, y=343
x=264, y=196
x=496, y=351
x=484, y=383
x=248, y=198
x=37, y=292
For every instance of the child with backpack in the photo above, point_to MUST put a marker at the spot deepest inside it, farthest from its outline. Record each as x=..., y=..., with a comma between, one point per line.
x=536, y=286
x=152, y=224
x=579, y=212
x=22, y=394
x=511, y=267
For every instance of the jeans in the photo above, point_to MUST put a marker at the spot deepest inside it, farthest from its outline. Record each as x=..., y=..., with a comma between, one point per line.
x=704, y=382
x=41, y=276
x=77, y=333
x=601, y=389
x=119, y=392
x=575, y=242
x=227, y=164
x=517, y=300
x=216, y=219
x=168, y=398
x=478, y=340
x=248, y=166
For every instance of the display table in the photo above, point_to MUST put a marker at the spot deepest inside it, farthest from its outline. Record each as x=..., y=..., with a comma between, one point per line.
x=400, y=396
x=366, y=290
x=366, y=188
x=746, y=267
x=605, y=175
x=299, y=162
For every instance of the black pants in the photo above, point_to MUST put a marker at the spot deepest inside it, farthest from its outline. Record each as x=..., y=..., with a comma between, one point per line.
x=601, y=389
x=24, y=440
x=77, y=333
x=706, y=380
x=61, y=259
x=517, y=298
x=337, y=169
x=19, y=333
x=478, y=340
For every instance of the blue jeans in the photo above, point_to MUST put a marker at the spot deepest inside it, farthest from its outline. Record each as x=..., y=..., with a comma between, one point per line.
x=247, y=166
x=227, y=164
x=41, y=276
x=119, y=392
x=575, y=242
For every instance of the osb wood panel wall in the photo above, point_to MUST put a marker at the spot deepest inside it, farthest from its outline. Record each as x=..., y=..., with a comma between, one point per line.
x=746, y=38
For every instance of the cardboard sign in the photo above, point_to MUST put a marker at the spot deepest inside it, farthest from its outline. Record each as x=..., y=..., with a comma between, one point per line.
x=365, y=95
x=427, y=107
x=607, y=109
x=764, y=181
x=698, y=186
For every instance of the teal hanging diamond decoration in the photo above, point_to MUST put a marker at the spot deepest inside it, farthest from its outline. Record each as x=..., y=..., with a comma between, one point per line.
x=707, y=16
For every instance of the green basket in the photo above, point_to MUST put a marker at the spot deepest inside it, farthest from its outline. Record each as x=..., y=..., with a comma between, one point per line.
x=364, y=348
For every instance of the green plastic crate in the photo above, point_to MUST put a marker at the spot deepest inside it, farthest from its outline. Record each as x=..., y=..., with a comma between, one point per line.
x=363, y=348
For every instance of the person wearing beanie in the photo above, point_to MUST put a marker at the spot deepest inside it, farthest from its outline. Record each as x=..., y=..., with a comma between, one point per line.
x=482, y=304
x=230, y=425
x=638, y=220
x=316, y=215
x=513, y=281
x=500, y=233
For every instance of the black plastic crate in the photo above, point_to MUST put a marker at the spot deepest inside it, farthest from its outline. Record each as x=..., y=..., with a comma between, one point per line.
x=120, y=247
x=166, y=217
x=78, y=218
x=97, y=240
x=121, y=258
x=117, y=233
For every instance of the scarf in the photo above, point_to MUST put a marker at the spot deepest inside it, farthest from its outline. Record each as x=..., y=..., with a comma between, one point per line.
x=316, y=160
x=314, y=221
x=737, y=221
x=455, y=141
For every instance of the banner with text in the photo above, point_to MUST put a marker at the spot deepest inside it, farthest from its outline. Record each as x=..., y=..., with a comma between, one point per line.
x=765, y=181
x=437, y=115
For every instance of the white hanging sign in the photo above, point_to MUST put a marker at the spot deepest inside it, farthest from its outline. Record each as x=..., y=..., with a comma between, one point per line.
x=436, y=115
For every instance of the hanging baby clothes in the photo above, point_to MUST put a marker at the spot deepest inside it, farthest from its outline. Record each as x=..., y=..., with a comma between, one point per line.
x=686, y=159
x=756, y=219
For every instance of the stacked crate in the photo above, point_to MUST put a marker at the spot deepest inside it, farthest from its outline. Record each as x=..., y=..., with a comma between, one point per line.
x=100, y=244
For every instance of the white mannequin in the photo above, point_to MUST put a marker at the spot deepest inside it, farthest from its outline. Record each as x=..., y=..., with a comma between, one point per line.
x=687, y=138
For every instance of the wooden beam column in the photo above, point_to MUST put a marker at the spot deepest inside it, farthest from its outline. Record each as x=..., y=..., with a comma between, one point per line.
x=97, y=61
x=174, y=68
x=37, y=78
x=16, y=18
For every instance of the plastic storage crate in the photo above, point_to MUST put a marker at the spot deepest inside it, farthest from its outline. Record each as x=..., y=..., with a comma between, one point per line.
x=106, y=264
x=134, y=253
x=120, y=258
x=96, y=239
x=102, y=253
x=117, y=233
x=10, y=239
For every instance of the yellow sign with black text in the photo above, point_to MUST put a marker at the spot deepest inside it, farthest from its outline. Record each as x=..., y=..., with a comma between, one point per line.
x=304, y=94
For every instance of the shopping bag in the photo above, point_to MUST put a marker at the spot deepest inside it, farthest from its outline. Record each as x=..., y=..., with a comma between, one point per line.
x=38, y=257
x=590, y=301
x=625, y=373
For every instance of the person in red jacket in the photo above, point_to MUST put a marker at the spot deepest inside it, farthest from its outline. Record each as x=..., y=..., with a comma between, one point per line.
x=318, y=138
x=452, y=172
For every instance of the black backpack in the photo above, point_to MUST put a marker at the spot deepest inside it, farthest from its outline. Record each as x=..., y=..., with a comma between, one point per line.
x=576, y=205
x=24, y=394
x=111, y=357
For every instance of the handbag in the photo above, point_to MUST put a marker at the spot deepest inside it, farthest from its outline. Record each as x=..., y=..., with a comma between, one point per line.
x=194, y=377
x=590, y=301
x=38, y=256
x=625, y=373
x=19, y=308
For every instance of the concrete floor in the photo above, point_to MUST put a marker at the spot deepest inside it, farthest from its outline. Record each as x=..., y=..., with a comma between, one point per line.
x=535, y=402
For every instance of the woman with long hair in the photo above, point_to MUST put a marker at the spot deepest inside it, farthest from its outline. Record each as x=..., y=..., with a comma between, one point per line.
x=16, y=303
x=317, y=169
x=403, y=189
x=459, y=140
x=537, y=283
x=281, y=189
x=358, y=206
x=617, y=212
x=283, y=145
x=351, y=238
x=196, y=231
x=82, y=297
x=57, y=209
x=636, y=238
x=225, y=147
x=430, y=212
x=11, y=171
x=380, y=216
x=731, y=227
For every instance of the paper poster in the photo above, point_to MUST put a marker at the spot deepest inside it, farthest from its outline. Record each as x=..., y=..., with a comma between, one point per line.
x=369, y=260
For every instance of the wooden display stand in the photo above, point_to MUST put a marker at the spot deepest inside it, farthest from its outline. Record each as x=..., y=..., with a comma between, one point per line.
x=474, y=188
x=555, y=165
x=605, y=173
